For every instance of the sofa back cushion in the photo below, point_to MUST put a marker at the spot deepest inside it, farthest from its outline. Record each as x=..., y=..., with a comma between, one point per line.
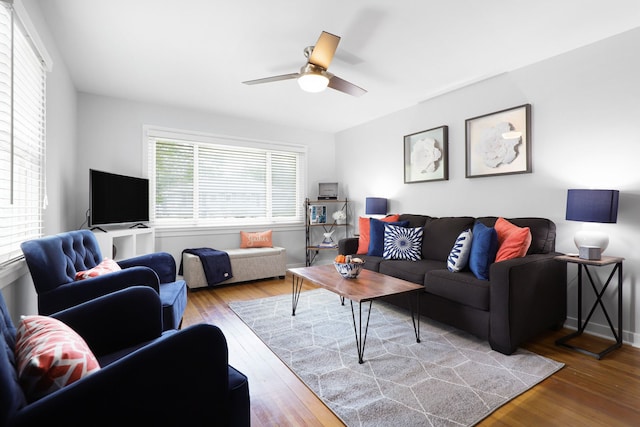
x=415, y=220
x=440, y=234
x=543, y=232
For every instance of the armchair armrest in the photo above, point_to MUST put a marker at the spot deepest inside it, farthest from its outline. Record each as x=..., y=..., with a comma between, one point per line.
x=77, y=292
x=118, y=320
x=161, y=262
x=146, y=384
x=528, y=295
x=348, y=246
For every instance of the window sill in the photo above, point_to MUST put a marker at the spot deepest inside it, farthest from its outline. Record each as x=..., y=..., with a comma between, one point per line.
x=12, y=272
x=193, y=230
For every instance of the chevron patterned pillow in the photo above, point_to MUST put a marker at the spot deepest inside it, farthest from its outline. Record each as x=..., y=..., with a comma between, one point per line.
x=50, y=355
x=459, y=255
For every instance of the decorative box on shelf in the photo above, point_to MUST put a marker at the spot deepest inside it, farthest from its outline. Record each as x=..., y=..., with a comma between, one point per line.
x=328, y=191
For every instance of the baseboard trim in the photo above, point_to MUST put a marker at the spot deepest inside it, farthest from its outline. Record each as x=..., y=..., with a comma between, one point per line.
x=603, y=331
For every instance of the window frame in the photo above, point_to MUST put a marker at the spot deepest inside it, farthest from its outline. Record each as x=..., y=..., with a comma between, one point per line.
x=151, y=132
x=27, y=181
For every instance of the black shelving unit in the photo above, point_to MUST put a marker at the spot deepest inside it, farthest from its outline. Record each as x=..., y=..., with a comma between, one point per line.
x=315, y=230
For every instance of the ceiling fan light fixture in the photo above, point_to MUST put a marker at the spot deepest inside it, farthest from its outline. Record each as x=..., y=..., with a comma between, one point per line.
x=313, y=76
x=313, y=79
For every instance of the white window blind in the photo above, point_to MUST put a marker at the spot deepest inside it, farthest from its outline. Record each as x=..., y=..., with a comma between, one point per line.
x=200, y=180
x=22, y=140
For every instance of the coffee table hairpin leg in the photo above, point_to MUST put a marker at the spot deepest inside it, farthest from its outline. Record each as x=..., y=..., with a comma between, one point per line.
x=295, y=296
x=416, y=323
x=361, y=340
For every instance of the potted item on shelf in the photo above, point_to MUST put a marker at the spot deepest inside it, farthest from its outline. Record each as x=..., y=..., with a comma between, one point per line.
x=339, y=216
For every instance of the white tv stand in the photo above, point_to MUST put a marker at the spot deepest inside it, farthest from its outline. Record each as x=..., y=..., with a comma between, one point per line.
x=126, y=242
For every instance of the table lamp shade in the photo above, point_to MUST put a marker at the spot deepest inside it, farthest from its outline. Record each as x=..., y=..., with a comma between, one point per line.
x=375, y=206
x=592, y=205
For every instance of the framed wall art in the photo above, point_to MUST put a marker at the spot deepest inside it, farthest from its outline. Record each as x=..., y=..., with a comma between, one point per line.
x=426, y=156
x=499, y=143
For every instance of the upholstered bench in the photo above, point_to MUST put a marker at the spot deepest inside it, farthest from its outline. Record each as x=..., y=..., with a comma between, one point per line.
x=246, y=264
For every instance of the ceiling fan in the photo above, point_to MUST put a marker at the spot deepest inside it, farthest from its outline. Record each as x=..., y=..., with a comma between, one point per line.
x=313, y=76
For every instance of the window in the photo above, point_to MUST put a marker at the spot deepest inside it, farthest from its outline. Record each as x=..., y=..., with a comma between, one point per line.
x=22, y=142
x=206, y=180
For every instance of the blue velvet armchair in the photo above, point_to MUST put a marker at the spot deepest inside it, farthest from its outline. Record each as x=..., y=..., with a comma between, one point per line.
x=53, y=262
x=146, y=376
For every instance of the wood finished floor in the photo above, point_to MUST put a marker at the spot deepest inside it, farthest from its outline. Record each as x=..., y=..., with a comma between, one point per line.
x=586, y=392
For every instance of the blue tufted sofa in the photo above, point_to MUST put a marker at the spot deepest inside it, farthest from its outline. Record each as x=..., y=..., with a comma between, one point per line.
x=146, y=376
x=54, y=260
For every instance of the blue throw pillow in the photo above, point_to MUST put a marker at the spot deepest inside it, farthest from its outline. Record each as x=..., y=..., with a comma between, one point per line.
x=376, y=235
x=459, y=255
x=484, y=247
x=402, y=242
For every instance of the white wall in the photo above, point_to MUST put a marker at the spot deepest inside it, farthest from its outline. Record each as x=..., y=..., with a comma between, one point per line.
x=585, y=134
x=110, y=135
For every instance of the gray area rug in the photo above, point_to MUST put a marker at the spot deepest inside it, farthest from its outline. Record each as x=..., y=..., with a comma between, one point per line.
x=450, y=378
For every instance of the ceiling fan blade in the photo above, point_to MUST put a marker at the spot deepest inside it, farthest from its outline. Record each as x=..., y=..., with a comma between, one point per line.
x=273, y=79
x=324, y=49
x=344, y=86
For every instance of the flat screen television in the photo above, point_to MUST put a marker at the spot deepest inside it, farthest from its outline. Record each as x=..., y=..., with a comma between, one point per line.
x=117, y=199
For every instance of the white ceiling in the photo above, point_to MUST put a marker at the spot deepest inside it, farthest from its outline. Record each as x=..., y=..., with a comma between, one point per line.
x=195, y=53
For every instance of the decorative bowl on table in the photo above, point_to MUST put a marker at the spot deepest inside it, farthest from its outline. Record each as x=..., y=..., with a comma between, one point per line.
x=349, y=270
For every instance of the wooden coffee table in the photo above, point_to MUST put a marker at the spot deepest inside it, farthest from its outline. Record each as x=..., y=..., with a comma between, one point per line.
x=367, y=287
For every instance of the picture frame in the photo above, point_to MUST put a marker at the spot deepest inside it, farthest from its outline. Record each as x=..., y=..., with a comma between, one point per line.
x=317, y=214
x=498, y=143
x=426, y=155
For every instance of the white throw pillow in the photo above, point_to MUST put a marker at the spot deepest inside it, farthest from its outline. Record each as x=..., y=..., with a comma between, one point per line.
x=459, y=255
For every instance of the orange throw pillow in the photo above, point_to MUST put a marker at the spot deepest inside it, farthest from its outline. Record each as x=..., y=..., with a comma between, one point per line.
x=513, y=241
x=363, y=227
x=258, y=239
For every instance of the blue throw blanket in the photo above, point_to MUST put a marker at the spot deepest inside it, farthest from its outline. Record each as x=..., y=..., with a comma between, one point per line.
x=215, y=263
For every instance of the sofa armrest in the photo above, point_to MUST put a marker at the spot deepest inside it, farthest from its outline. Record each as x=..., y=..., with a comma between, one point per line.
x=148, y=383
x=74, y=293
x=161, y=262
x=348, y=246
x=528, y=295
x=118, y=320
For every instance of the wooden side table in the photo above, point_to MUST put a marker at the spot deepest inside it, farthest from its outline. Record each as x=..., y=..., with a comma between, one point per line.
x=582, y=265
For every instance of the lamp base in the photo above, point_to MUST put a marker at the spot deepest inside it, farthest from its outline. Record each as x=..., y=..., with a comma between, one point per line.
x=592, y=253
x=591, y=242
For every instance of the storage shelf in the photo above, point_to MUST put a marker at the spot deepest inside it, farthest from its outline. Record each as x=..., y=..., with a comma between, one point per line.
x=126, y=243
x=311, y=229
